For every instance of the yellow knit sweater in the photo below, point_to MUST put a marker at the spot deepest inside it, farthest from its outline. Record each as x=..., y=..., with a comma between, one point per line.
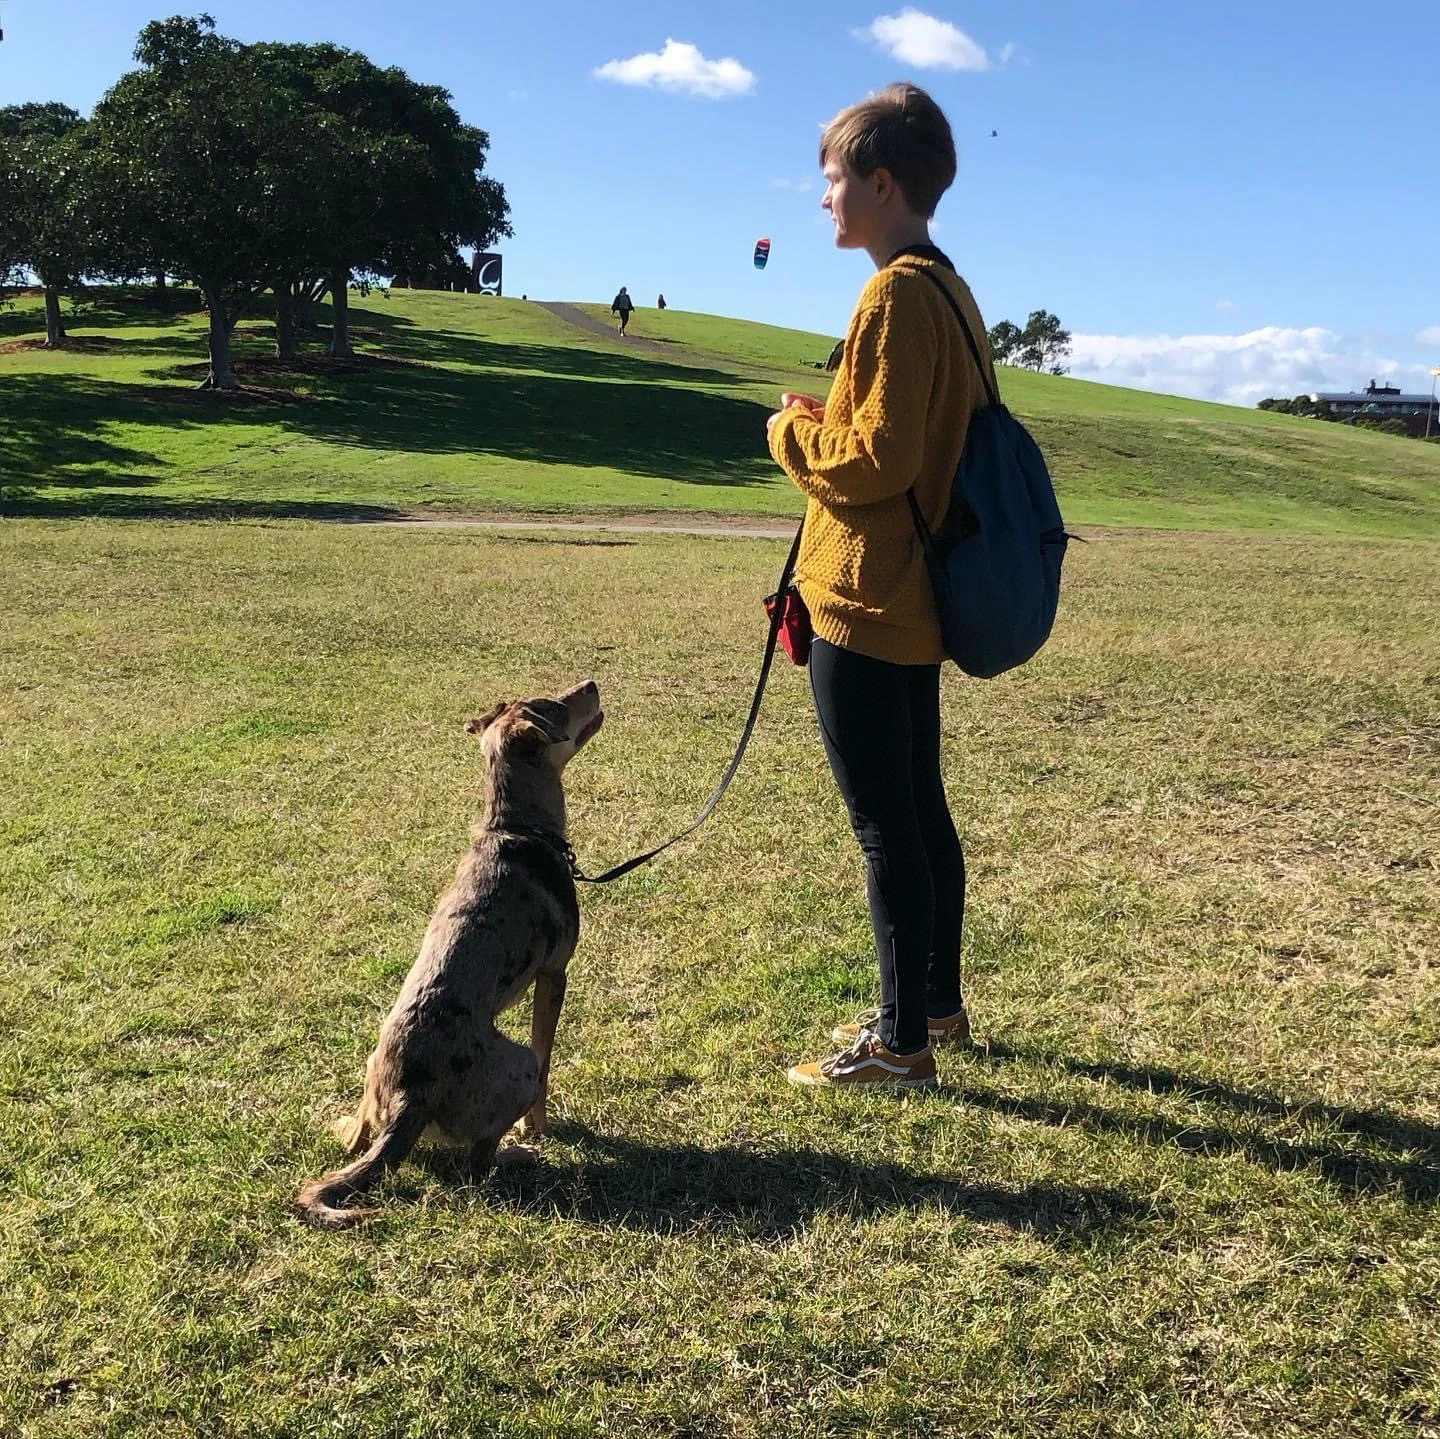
x=896, y=416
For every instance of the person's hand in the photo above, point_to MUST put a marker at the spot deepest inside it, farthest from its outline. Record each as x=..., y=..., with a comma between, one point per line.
x=808, y=403
x=805, y=402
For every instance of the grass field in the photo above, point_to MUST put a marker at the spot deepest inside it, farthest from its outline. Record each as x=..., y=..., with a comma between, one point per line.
x=474, y=404
x=1193, y=1193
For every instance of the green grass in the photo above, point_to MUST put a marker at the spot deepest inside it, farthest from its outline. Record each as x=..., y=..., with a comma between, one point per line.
x=1194, y=1194
x=473, y=404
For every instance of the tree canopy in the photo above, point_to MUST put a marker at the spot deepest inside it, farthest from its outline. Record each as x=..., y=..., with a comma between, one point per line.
x=43, y=224
x=1041, y=345
x=291, y=167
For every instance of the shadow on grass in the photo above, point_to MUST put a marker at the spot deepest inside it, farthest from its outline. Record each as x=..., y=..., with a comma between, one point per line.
x=401, y=336
x=773, y=1194
x=126, y=507
x=55, y=430
x=1393, y=1153
x=107, y=306
x=49, y=436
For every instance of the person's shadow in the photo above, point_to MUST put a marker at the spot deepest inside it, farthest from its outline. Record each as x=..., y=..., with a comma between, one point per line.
x=773, y=1194
x=1358, y=1151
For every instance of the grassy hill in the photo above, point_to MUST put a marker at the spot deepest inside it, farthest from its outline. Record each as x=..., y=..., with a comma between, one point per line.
x=465, y=403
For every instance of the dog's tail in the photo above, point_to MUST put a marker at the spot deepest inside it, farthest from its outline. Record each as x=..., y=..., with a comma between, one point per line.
x=326, y=1203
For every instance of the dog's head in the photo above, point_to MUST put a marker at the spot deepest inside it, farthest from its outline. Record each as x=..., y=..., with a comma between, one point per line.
x=546, y=730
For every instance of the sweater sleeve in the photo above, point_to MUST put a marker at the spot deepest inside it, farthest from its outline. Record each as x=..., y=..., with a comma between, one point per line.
x=890, y=356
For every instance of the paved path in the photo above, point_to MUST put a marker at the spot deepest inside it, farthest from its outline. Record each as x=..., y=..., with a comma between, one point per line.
x=610, y=329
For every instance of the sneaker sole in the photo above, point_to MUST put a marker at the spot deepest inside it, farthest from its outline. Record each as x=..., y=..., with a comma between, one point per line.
x=933, y=1082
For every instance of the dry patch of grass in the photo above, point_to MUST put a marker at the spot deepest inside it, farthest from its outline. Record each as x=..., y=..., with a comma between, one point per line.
x=1194, y=1193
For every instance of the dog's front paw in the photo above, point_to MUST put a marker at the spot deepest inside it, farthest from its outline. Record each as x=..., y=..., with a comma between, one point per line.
x=515, y=1154
x=532, y=1128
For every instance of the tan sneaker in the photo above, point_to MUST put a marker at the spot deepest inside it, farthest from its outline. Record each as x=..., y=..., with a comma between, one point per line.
x=867, y=1062
x=953, y=1030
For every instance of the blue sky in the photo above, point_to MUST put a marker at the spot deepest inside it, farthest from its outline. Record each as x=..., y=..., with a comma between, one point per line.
x=1226, y=200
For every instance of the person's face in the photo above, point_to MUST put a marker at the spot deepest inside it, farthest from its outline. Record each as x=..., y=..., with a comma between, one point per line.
x=855, y=205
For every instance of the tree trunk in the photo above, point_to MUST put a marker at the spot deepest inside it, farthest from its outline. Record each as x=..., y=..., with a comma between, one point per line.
x=222, y=371
x=308, y=295
x=159, y=282
x=285, y=343
x=54, y=325
x=340, y=310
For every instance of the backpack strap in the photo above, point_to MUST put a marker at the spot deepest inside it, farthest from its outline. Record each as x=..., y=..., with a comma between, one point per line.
x=940, y=285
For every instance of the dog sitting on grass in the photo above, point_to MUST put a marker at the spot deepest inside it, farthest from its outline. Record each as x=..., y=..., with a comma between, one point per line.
x=442, y=1069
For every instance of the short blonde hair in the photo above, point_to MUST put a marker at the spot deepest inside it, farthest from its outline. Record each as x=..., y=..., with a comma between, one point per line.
x=901, y=130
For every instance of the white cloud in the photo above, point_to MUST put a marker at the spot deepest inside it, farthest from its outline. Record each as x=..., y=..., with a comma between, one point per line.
x=916, y=38
x=681, y=67
x=800, y=187
x=1226, y=305
x=1429, y=336
x=517, y=94
x=1235, y=369
x=1007, y=52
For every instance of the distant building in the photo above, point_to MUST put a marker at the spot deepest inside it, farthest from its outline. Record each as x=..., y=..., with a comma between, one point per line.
x=1382, y=402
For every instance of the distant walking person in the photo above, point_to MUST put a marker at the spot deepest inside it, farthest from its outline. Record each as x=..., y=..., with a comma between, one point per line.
x=623, y=306
x=662, y=303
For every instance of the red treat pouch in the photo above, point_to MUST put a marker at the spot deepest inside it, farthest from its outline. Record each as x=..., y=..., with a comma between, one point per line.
x=794, y=625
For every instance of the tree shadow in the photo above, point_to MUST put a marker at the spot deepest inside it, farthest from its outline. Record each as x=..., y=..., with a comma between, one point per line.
x=50, y=437
x=403, y=337
x=1394, y=1153
x=107, y=306
x=771, y=1195
x=541, y=404
x=126, y=507
x=662, y=431
x=655, y=430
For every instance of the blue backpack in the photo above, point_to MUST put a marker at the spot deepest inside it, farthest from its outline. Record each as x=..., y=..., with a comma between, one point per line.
x=995, y=562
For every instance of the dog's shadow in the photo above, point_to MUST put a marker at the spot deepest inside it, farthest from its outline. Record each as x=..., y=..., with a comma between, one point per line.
x=770, y=1194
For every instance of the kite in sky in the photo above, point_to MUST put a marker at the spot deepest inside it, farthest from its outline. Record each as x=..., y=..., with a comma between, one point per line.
x=762, y=253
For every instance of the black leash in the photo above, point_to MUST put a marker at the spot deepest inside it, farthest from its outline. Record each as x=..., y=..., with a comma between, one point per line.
x=730, y=773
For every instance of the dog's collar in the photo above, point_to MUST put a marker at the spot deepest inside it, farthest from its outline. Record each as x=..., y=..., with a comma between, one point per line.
x=557, y=842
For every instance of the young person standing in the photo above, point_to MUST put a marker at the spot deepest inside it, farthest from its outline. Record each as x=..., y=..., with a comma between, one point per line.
x=896, y=421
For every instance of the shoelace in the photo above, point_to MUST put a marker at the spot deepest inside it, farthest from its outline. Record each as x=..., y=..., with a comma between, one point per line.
x=857, y=1051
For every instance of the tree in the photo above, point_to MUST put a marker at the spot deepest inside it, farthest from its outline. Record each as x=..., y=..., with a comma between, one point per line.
x=1004, y=341
x=43, y=227
x=403, y=182
x=196, y=167
x=1043, y=343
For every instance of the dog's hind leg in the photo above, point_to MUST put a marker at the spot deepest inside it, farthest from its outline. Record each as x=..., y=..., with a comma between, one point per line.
x=355, y=1131
x=549, y=997
x=514, y=1082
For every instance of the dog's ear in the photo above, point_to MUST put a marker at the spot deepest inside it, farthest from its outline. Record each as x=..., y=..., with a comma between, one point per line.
x=480, y=723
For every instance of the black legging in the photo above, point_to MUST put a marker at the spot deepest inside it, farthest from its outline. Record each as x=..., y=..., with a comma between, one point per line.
x=881, y=726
